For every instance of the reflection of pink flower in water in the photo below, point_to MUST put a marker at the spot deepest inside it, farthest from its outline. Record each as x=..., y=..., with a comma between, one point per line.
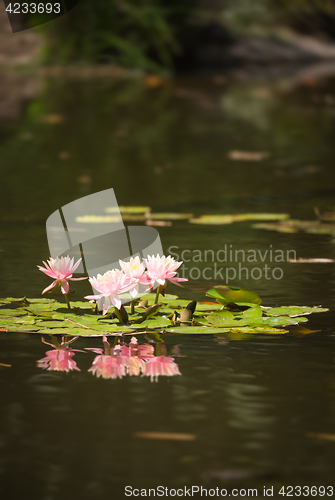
x=160, y=366
x=131, y=359
x=60, y=357
x=116, y=362
x=107, y=366
x=58, y=360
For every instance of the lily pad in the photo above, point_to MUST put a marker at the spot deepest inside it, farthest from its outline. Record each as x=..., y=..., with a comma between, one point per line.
x=294, y=226
x=128, y=210
x=12, y=312
x=228, y=294
x=230, y=219
x=259, y=329
x=293, y=311
x=47, y=316
x=170, y=216
x=161, y=322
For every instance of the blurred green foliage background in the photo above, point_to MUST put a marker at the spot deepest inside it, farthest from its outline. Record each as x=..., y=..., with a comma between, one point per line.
x=153, y=34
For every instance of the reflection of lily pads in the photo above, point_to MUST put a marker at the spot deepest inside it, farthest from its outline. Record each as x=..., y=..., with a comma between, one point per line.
x=230, y=219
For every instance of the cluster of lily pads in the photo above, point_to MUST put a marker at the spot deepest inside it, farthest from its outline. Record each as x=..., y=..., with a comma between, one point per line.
x=280, y=222
x=235, y=310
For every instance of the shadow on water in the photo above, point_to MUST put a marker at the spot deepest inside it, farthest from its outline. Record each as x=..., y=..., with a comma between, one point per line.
x=253, y=410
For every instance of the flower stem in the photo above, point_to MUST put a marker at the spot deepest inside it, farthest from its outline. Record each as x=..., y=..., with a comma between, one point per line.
x=132, y=310
x=157, y=294
x=67, y=301
x=118, y=315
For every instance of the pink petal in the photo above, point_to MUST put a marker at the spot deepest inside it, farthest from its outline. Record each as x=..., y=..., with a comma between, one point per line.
x=53, y=284
x=47, y=272
x=93, y=297
x=116, y=301
x=134, y=291
x=75, y=266
x=65, y=287
x=78, y=279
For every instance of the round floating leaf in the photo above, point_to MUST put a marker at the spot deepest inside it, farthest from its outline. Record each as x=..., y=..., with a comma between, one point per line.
x=293, y=310
x=231, y=218
x=207, y=307
x=41, y=301
x=160, y=322
x=252, y=312
x=12, y=312
x=80, y=332
x=82, y=305
x=259, y=329
x=229, y=294
x=223, y=321
x=170, y=216
x=98, y=219
x=20, y=328
x=127, y=210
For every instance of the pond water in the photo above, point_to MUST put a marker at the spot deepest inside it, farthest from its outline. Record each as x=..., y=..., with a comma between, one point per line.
x=238, y=412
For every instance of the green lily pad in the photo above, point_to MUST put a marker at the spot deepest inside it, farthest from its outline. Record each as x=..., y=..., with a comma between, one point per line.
x=208, y=307
x=51, y=317
x=230, y=219
x=221, y=321
x=259, y=329
x=80, y=332
x=228, y=294
x=41, y=301
x=82, y=305
x=170, y=216
x=128, y=210
x=294, y=226
x=293, y=310
x=20, y=328
x=12, y=312
x=252, y=312
x=161, y=322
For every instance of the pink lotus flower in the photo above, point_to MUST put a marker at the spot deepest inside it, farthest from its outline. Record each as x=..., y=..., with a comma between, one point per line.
x=163, y=268
x=61, y=270
x=135, y=269
x=110, y=285
x=160, y=366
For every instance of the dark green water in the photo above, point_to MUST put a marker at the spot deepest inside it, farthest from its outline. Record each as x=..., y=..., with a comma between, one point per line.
x=250, y=404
